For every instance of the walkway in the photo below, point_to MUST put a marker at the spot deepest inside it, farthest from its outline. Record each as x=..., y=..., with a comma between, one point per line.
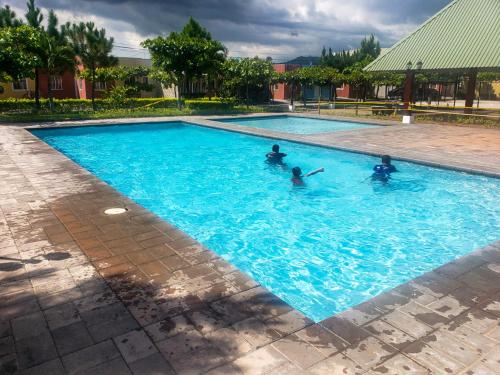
x=83, y=292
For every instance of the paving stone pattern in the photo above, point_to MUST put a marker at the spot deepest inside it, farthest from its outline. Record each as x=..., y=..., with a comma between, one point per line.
x=82, y=292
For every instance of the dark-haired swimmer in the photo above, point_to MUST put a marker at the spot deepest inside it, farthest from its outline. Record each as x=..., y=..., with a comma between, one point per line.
x=298, y=178
x=275, y=156
x=383, y=171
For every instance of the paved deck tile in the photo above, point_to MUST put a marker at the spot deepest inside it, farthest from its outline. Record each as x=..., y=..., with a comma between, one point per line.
x=83, y=292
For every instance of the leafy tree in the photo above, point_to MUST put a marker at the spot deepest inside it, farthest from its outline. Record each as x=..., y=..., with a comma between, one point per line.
x=134, y=80
x=17, y=59
x=127, y=82
x=92, y=48
x=339, y=60
x=291, y=78
x=162, y=76
x=33, y=15
x=251, y=75
x=193, y=29
x=358, y=78
x=369, y=50
x=34, y=18
x=8, y=18
x=488, y=76
x=187, y=55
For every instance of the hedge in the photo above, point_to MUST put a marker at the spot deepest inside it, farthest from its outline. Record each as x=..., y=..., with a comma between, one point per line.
x=207, y=104
x=79, y=105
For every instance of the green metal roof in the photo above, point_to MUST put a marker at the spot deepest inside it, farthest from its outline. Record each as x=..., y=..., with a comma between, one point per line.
x=464, y=35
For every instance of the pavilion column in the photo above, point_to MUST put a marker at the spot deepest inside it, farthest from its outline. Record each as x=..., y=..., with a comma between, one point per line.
x=470, y=91
x=408, y=89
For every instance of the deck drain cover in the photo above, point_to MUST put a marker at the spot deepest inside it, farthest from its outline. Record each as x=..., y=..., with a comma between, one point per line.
x=115, y=211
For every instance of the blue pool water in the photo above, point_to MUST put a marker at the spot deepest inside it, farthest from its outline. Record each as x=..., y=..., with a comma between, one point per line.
x=296, y=125
x=333, y=244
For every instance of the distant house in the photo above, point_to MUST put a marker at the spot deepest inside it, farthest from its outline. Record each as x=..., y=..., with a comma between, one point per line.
x=69, y=86
x=23, y=88
x=132, y=62
x=283, y=91
x=305, y=61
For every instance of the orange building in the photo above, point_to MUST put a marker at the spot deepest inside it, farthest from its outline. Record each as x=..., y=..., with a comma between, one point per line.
x=283, y=91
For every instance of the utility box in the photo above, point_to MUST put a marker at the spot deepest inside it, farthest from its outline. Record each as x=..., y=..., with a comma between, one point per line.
x=408, y=119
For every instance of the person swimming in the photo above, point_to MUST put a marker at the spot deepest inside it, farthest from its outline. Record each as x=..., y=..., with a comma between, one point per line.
x=275, y=156
x=298, y=178
x=383, y=171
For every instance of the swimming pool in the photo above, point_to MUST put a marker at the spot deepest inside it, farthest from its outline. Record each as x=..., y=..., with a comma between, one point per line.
x=296, y=124
x=333, y=244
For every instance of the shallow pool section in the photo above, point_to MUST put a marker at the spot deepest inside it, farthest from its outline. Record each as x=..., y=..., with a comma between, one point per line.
x=332, y=244
x=296, y=124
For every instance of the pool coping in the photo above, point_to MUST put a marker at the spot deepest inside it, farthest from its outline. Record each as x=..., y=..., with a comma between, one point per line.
x=353, y=327
x=211, y=122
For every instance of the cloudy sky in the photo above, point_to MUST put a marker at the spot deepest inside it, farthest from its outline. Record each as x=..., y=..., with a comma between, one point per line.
x=280, y=29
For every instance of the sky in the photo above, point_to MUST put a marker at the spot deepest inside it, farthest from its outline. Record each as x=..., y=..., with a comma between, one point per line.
x=281, y=29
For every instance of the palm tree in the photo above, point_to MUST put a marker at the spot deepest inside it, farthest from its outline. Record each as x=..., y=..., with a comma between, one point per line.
x=56, y=54
x=92, y=48
x=34, y=17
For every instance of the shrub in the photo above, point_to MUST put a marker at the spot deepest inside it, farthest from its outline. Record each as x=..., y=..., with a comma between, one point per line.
x=206, y=105
x=82, y=105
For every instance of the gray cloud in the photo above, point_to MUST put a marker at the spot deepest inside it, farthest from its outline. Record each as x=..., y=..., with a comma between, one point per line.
x=276, y=28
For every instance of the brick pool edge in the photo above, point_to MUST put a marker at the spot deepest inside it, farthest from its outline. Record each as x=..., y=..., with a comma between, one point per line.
x=129, y=276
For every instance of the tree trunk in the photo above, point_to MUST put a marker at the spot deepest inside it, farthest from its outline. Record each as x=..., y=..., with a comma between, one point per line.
x=334, y=95
x=269, y=87
x=319, y=101
x=247, y=95
x=303, y=87
x=49, y=93
x=293, y=94
x=37, y=89
x=177, y=87
x=92, y=94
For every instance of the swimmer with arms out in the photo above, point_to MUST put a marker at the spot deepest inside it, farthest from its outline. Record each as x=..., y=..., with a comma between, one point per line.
x=297, y=177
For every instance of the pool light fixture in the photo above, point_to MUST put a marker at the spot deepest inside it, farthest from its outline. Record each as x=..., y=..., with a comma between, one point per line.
x=115, y=211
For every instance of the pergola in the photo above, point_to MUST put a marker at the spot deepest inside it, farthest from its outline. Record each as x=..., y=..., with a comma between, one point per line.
x=462, y=38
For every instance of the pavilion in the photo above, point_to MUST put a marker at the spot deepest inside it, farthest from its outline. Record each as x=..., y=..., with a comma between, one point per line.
x=463, y=38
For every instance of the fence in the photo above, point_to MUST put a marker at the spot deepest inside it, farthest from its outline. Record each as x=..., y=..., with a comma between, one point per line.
x=395, y=109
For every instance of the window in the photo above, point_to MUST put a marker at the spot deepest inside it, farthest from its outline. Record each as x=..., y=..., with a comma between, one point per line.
x=145, y=80
x=22, y=84
x=101, y=86
x=56, y=83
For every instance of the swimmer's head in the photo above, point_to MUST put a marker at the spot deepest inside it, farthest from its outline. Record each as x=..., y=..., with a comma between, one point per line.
x=386, y=159
x=276, y=148
x=297, y=172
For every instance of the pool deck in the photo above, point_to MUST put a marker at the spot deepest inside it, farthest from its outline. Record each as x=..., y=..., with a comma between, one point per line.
x=84, y=292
